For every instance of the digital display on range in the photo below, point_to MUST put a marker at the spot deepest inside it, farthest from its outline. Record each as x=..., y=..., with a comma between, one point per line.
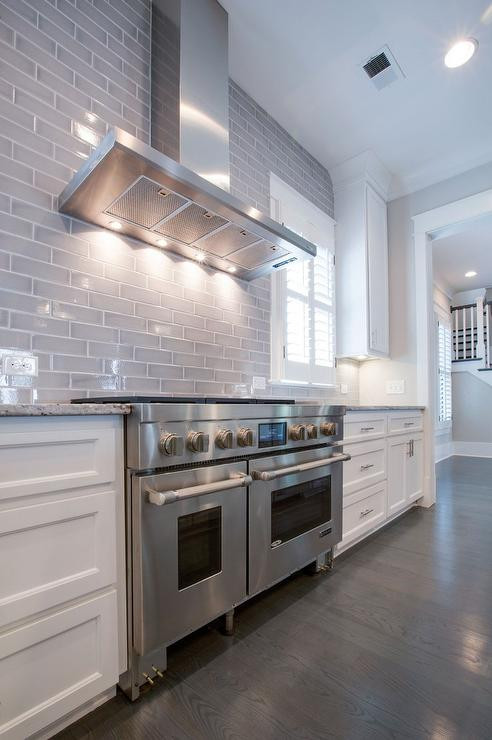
x=272, y=435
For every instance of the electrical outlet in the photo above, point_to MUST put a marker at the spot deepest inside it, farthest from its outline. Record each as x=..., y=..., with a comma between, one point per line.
x=395, y=386
x=20, y=365
x=259, y=383
x=343, y=388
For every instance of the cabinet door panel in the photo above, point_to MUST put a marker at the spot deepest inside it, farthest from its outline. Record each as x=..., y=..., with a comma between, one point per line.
x=48, y=460
x=365, y=513
x=415, y=470
x=367, y=466
x=377, y=251
x=398, y=450
x=56, y=551
x=55, y=664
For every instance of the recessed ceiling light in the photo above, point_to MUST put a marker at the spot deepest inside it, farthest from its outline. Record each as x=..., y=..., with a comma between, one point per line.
x=231, y=269
x=470, y=273
x=461, y=52
x=161, y=243
x=200, y=256
x=116, y=225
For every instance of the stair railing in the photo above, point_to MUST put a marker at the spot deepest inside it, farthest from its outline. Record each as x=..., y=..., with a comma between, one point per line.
x=472, y=332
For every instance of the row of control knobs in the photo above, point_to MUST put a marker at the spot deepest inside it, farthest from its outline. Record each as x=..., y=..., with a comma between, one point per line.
x=298, y=432
x=172, y=444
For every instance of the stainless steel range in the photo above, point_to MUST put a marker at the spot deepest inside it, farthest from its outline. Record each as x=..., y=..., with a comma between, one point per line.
x=224, y=499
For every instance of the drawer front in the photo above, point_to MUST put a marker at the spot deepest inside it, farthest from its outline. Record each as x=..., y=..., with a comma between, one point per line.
x=55, y=552
x=42, y=461
x=54, y=665
x=364, y=513
x=367, y=466
x=398, y=423
x=364, y=426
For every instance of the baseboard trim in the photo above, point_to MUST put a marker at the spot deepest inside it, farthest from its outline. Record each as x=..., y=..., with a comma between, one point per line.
x=472, y=449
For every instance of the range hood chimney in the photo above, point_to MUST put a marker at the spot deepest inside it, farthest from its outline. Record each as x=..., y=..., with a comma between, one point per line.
x=174, y=193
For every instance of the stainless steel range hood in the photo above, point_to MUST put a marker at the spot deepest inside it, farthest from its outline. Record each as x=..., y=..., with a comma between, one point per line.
x=148, y=195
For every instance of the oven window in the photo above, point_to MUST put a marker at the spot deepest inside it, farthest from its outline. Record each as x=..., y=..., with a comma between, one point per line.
x=297, y=509
x=199, y=546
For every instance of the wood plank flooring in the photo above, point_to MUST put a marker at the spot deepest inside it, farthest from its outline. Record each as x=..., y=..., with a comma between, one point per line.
x=395, y=643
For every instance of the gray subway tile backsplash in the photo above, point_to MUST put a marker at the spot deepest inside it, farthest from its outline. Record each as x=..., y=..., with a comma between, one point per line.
x=106, y=314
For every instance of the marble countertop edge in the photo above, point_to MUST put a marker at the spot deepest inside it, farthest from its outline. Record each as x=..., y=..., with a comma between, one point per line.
x=64, y=409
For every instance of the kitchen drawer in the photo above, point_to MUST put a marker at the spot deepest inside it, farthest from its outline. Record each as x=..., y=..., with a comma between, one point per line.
x=56, y=551
x=408, y=422
x=40, y=459
x=367, y=466
x=363, y=426
x=363, y=512
x=55, y=664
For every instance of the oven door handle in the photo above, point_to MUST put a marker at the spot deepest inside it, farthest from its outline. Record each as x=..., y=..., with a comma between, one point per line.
x=159, y=498
x=267, y=475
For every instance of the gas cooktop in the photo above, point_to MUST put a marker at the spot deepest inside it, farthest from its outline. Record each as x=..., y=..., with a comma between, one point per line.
x=181, y=399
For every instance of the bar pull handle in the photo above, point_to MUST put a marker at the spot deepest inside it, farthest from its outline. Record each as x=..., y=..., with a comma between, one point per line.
x=366, y=467
x=365, y=513
x=367, y=429
x=160, y=498
x=266, y=475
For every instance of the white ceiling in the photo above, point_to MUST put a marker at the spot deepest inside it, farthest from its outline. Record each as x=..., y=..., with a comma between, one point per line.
x=301, y=62
x=468, y=249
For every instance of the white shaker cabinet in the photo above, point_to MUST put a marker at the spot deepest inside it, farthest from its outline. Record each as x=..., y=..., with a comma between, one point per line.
x=385, y=476
x=62, y=580
x=405, y=471
x=362, y=260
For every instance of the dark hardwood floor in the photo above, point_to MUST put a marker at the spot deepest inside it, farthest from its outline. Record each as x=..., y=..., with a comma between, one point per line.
x=395, y=643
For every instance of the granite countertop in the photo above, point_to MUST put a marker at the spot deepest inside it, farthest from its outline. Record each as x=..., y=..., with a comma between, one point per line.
x=63, y=409
x=407, y=407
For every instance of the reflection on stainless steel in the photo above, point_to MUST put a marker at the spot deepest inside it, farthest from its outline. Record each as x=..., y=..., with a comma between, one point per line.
x=152, y=196
x=223, y=501
x=156, y=198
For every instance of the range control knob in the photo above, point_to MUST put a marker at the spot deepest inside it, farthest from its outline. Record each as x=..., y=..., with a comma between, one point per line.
x=224, y=439
x=312, y=431
x=197, y=441
x=245, y=437
x=297, y=432
x=328, y=428
x=170, y=444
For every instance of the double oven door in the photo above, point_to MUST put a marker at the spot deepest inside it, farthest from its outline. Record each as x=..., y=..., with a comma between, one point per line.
x=189, y=550
x=295, y=513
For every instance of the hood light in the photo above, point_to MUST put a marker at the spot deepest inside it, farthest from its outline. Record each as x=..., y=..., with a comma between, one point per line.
x=200, y=256
x=460, y=53
x=161, y=243
x=231, y=269
x=115, y=225
x=470, y=273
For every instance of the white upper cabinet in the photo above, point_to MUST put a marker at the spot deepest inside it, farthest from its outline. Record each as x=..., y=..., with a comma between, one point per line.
x=362, y=257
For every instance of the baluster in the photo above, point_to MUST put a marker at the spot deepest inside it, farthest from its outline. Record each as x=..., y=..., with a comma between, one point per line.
x=487, y=316
x=472, y=349
x=456, y=347
x=480, y=331
x=463, y=312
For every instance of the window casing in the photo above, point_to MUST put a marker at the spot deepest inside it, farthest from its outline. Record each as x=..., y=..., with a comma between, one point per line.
x=303, y=298
x=444, y=384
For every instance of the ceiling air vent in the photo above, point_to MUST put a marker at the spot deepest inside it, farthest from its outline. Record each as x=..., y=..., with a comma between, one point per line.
x=382, y=68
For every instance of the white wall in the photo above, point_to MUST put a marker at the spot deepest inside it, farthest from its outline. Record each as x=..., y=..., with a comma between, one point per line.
x=467, y=296
x=373, y=375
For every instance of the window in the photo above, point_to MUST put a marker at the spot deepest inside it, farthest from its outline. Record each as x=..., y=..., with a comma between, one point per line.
x=444, y=407
x=303, y=302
